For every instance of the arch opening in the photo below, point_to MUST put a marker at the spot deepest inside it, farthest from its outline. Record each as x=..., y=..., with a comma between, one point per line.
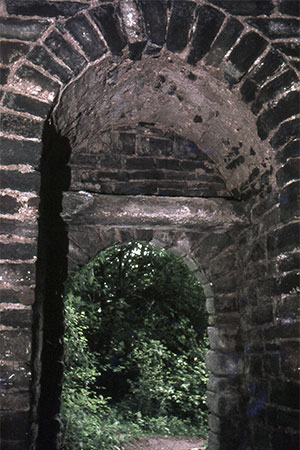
x=141, y=315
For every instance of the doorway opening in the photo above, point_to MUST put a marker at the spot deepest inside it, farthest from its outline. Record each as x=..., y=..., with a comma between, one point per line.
x=135, y=346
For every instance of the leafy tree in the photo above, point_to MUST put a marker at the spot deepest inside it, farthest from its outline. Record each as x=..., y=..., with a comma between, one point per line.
x=135, y=340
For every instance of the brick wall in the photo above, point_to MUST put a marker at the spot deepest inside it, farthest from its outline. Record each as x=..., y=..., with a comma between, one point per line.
x=196, y=99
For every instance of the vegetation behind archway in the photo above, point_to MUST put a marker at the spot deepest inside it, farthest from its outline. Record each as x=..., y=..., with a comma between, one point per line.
x=135, y=347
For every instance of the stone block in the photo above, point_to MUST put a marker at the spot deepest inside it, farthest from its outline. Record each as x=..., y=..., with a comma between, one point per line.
x=279, y=84
x=13, y=151
x=277, y=28
x=278, y=417
x=289, y=8
x=107, y=21
x=226, y=39
x=291, y=48
x=290, y=357
x=285, y=440
x=284, y=239
x=24, y=182
x=209, y=21
x=287, y=132
x=289, y=172
x=222, y=405
x=291, y=150
x=14, y=425
x=288, y=307
x=8, y=204
x=16, y=250
x=17, y=401
x=155, y=14
x=243, y=56
x=35, y=83
x=229, y=364
x=11, y=51
x=44, y=9
x=16, y=318
x=16, y=345
x=14, y=445
x=285, y=393
x=26, y=104
x=15, y=377
x=286, y=107
x=41, y=57
x=83, y=32
x=246, y=8
x=22, y=29
x=65, y=51
x=18, y=274
x=179, y=25
x=289, y=200
x=4, y=72
x=268, y=66
x=21, y=126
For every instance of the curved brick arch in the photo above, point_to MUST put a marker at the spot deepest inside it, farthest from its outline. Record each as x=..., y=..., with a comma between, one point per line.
x=261, y=299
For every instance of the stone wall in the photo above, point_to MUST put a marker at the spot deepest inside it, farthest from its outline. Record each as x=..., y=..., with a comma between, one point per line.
x=154, y=105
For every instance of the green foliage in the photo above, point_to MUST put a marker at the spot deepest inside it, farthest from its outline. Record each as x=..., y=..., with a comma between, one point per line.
x=135, y=348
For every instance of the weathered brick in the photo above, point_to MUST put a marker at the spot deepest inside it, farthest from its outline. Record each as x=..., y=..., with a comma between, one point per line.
x=140, y=163
x=107, y=21
x=209, y=21
x=14, y=425
x=17, y=251
x=8, y=204
x=16, y=318
x=289, y=172
x=284, y=439
x=287, y=131
x=224, y=41
x=33, y=76
x=268, y=66
x=155, y=14
x=44, y=9
x=295, y=63
x=25, y=30
x=180, y=24
x=289, y=202
x=21, y=126
x=286, y=107
x=289, y=48
x=243, y=56
x=290, y=356
x=283, y=240
x=285, y=394
x=15, y=377
x=24, y=295
x=65, y=51
x=246, y=8
x=289, y=7
x=41, y=57
x=21, y=103
x=23, y=182
x=12, y=51
x=276, y=28
x=4, y=72
x=273, y=88
x=84, y=33
x=16, y=345
x=13, y=151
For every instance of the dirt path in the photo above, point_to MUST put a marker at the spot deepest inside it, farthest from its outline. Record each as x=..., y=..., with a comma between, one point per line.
x=167, y=444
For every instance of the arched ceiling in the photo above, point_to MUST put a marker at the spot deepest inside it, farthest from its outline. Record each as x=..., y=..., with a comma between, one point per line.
x=172, y=96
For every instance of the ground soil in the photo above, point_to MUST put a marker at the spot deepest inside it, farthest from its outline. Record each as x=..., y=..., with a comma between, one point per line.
x=167, y=444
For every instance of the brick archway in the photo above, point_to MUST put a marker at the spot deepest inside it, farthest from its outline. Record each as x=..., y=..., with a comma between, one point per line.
x=249, y=50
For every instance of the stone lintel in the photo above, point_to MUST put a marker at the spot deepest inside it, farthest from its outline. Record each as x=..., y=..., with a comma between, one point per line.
x=135, y=211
